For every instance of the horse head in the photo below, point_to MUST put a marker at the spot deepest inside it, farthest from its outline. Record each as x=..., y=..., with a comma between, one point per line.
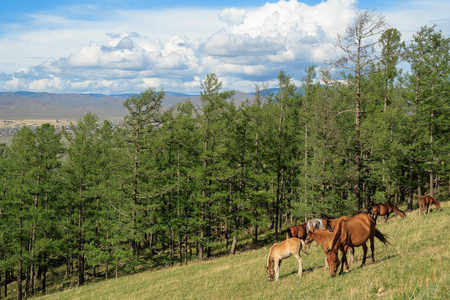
x=438, y=206
x=333, y=262
x=270, y=273
x=326, y=224
x=374, y=211
x=309, y=235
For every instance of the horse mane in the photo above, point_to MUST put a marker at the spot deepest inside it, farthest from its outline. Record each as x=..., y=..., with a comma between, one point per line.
x=337, y=236
x=434, y=201
x=395, y=208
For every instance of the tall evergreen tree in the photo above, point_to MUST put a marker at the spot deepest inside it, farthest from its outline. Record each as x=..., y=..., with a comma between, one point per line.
x=20, y=199
x=82, y=175
x=359, y=54
x=428, y=55
x=211, y=120
x=139, y=125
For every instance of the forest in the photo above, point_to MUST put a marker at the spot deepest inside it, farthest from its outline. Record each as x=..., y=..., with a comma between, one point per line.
x=174, y=185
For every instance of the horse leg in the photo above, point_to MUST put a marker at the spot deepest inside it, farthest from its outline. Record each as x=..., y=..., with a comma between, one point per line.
x=326, y=263
x=299, y=259
x=277, y=264
x=351, y=256
x=386, y=217
x=344, y=260
x=364, y=246
x=372, y=248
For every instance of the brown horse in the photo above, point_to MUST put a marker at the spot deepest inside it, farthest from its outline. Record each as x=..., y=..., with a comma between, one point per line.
x=427, y=201
x=385, y=210
x=325, y=239
x=353, y=232
x=331, y=224
x=281, y=251
x=298, y=231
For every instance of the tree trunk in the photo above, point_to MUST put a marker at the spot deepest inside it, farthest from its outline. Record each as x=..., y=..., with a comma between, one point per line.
x=411, y=189
x=233, y=245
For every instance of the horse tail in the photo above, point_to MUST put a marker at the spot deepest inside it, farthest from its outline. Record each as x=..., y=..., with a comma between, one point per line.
x=303, y=245
x=382, y=237
x=398, y=211
x=288, y=233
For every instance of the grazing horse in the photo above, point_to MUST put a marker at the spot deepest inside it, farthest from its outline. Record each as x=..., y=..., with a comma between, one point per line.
x=325, y=239
x=279, y=251
x=331, y=224
x=427, y=201
x=314, y=223
x=298, y=231
x=353, y=232
x=385, y=210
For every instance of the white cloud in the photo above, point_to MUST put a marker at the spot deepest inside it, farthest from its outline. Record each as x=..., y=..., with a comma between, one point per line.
x=47, y=84
x=130, y=50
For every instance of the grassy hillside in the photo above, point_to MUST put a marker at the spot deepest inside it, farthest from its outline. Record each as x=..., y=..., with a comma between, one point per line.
x=415, y=266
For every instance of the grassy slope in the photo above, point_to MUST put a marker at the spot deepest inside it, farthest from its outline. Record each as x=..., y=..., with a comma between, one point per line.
x=416, y=265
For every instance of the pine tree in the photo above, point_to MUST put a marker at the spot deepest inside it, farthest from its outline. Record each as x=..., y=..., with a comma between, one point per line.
x=82, y=176
x=211, y=121
x=428, y=55
x=20, y=203
x=139, y=126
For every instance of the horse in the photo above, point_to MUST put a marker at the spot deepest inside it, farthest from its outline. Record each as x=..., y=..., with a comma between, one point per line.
x=314, y=223
x=353, y=232
x=385, y=210
x=427, y=201
x=331, y=224
x=325, y=239
x=298, y=231
x=282, y=250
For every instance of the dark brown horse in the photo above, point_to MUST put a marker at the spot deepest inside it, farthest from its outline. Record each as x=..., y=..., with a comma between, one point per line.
x=427, y=201
x=298, y=231
x=353, y=232
x=331, y=224
x=385, y=210
x=325, y=239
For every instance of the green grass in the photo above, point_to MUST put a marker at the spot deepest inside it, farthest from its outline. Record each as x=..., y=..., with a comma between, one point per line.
x=415, y=266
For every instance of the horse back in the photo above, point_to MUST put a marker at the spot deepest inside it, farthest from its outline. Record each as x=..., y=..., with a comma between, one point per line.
x=334, y=222
x=323, y=237
x=357, y=230
x=298, y=231
x=385, y=209
x=285, y=248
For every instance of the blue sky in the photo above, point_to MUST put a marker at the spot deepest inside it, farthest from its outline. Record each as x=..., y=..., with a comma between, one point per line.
x=116, y=46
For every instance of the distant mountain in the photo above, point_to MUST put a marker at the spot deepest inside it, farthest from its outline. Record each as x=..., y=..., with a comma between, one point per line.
x=30, y=105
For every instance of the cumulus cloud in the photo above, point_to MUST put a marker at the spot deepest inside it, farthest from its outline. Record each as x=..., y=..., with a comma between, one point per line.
x=129, y=51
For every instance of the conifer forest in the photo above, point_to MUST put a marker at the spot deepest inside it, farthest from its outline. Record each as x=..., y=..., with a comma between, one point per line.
x=185, y=182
